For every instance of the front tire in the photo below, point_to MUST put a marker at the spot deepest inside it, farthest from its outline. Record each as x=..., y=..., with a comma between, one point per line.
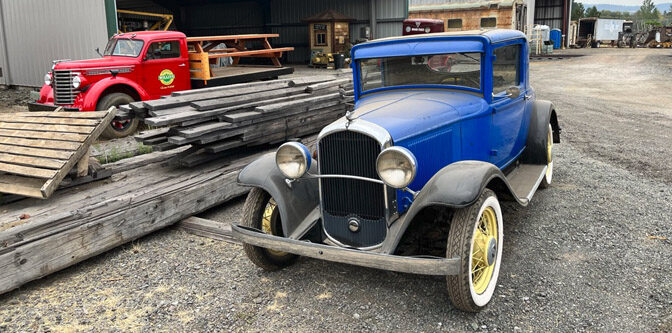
x=117, y=129
x=476, y=236
x=261, y=212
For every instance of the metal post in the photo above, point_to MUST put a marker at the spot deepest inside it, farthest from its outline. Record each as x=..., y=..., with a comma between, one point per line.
x=372, y=18
x=6, y=77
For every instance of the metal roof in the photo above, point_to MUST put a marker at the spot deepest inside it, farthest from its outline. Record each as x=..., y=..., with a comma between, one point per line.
x=495, y=35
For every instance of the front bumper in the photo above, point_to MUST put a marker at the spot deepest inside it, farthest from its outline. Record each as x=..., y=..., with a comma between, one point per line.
x=415, y=265
x=34, y=106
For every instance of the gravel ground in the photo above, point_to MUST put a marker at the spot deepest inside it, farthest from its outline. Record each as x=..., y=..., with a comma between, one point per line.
x=14, y=100
x=579, y=258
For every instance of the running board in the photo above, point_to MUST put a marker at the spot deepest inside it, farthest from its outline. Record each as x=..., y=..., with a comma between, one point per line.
x=525, y=179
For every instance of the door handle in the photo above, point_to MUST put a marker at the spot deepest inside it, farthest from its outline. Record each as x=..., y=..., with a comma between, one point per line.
x=527, y=96
x=181, y=65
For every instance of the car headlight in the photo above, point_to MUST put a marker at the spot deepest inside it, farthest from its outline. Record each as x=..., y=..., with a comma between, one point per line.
x=396, y=167
x=76, y=82
x=293, y=159
x=47, y=79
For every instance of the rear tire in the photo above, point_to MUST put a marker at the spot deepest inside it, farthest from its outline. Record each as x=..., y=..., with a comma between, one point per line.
x=255, y=211
x=117, y=129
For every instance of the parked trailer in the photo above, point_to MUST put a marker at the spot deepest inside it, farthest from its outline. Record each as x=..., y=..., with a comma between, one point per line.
x=595, y=31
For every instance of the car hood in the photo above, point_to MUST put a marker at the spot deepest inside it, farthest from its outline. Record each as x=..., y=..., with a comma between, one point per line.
x=104, y=62
x=406, y=113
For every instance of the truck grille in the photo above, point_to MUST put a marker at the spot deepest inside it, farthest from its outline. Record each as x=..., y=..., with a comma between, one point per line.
x=351, y=153
x=64, y=94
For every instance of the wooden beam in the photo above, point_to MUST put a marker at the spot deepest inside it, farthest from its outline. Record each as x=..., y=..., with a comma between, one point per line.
x=48, y=120
x=208, y=228
x=27, y=171
x=37, y=152
x=47, y=128
x=74, y=137
x=49, y=144
x=230, y=37
x=47, y=163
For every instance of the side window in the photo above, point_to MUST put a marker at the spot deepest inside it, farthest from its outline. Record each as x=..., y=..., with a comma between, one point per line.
x=506, y=68
x=488, y=22
x=455, y=24
x=164, y=50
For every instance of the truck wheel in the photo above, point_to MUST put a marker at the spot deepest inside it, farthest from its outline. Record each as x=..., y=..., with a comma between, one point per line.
x=117, y=129
x=261, y=212
x=476, y=235
x=548, y=177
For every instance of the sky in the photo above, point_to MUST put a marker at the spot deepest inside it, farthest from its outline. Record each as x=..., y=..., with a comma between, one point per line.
x=616, y=2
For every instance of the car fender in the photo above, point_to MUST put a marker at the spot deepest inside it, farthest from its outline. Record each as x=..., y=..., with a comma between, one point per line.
x=457, y=185
x=94, y=92
x=543, y=113
x=298, y=201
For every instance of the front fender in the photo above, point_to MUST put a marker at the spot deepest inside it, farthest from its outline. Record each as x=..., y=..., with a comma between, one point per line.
x=298, y=204
x=457, y=185
x=94, y=92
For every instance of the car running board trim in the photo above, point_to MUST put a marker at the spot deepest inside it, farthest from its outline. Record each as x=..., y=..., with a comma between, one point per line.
x=403, y=264
x=525, y=179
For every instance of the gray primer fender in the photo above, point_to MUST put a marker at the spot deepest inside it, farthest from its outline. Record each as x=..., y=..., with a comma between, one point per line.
x=298, y=204
x=456, y=185
x=543, y=113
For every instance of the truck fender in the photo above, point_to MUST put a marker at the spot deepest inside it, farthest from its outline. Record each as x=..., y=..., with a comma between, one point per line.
x=298, y=202
x=543, y=113
x=457, y=185
x=94, y=92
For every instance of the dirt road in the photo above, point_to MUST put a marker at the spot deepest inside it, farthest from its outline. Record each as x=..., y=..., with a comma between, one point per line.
x=592, y=253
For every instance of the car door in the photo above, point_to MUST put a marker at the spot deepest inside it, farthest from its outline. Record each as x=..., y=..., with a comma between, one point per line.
x=508, y=105
x=164, y=68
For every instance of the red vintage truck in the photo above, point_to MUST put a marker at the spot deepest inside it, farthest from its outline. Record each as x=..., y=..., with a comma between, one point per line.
x=146, y=65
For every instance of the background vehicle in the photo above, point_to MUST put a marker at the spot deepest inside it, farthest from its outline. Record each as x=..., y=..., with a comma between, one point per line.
x=421, y=26
x=596, y=31
x=443, y=128
x=146, y=65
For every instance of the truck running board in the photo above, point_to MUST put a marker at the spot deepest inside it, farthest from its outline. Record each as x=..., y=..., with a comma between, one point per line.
x=525, y=179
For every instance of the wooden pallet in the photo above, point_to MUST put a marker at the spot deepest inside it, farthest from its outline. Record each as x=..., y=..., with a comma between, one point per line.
x=38, y=149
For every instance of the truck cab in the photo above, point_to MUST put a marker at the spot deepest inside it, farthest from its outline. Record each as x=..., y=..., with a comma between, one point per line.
x=135, y=66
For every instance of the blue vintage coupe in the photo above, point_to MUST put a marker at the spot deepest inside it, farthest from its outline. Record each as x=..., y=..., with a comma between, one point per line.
x=444, y=127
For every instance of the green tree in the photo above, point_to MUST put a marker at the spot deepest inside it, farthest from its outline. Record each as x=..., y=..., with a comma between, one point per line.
x=577, y=10
x=593, y=12
x=648, y=11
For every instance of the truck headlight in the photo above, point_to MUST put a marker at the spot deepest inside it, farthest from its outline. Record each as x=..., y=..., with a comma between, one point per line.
x=47, y=79
x=293, y=159
x=396, y=167
x=76, y=82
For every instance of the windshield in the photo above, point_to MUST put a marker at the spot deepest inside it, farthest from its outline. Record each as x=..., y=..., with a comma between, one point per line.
x=123, y=47
x=450, y=69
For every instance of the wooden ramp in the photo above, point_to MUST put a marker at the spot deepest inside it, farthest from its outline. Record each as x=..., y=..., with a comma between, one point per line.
x=38, y=149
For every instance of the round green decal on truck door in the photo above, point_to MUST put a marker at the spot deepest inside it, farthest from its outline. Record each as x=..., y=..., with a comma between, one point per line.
x=166, y=77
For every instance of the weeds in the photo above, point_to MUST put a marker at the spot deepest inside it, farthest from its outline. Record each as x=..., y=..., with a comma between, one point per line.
x=115, y=155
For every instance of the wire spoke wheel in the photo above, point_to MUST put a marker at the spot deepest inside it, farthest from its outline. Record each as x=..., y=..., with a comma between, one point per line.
x=548, y=177
x=269, y=222
x=476, y=236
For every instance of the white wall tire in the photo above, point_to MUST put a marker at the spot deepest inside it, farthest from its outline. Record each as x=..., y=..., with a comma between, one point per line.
x=548, y=176
x=474, y=287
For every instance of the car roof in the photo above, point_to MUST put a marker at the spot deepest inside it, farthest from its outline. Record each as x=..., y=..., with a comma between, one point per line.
x=494, y=35
x=146, y=35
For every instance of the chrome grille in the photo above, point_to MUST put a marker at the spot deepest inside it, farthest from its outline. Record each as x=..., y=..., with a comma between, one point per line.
x=64, y=94
x=351, y=153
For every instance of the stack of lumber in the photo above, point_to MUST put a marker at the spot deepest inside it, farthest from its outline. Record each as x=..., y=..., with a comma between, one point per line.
x=242, y=115
x=39, y=237
x=38, y=149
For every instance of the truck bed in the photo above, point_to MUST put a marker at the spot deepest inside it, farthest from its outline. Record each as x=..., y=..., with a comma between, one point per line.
x=239, y=74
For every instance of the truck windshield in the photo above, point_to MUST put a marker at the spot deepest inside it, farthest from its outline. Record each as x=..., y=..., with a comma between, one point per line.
x=450, y=69
x=123, y=47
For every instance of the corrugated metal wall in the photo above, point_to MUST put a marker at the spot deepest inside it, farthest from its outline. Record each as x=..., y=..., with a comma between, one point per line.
x=39, y=31
x=549, y=12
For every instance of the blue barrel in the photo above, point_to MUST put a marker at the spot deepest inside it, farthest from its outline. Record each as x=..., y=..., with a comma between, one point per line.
x=556, y=37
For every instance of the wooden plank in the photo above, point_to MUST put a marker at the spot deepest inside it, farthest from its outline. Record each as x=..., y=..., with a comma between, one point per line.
x=259, y=85
x=51, y=184
x=212, y=104
x=83, y=163
x=308, y=80
x=20, y=185
x=208, y=228
x=50, y=144
x=203, y=129
x=74, y=137
x=238, y=117
x=314, y=102
x=47, y=120
x=38, y=152
x=47, y=128
x=262, y=53
x=153, y=133
x=27, y=171
x=41, y=162
x=51, y=114
x=230, y=37
x=327, y=84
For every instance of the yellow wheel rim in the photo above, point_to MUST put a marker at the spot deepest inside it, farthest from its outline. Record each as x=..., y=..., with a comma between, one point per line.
x=481, y=267
x=267, y=220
